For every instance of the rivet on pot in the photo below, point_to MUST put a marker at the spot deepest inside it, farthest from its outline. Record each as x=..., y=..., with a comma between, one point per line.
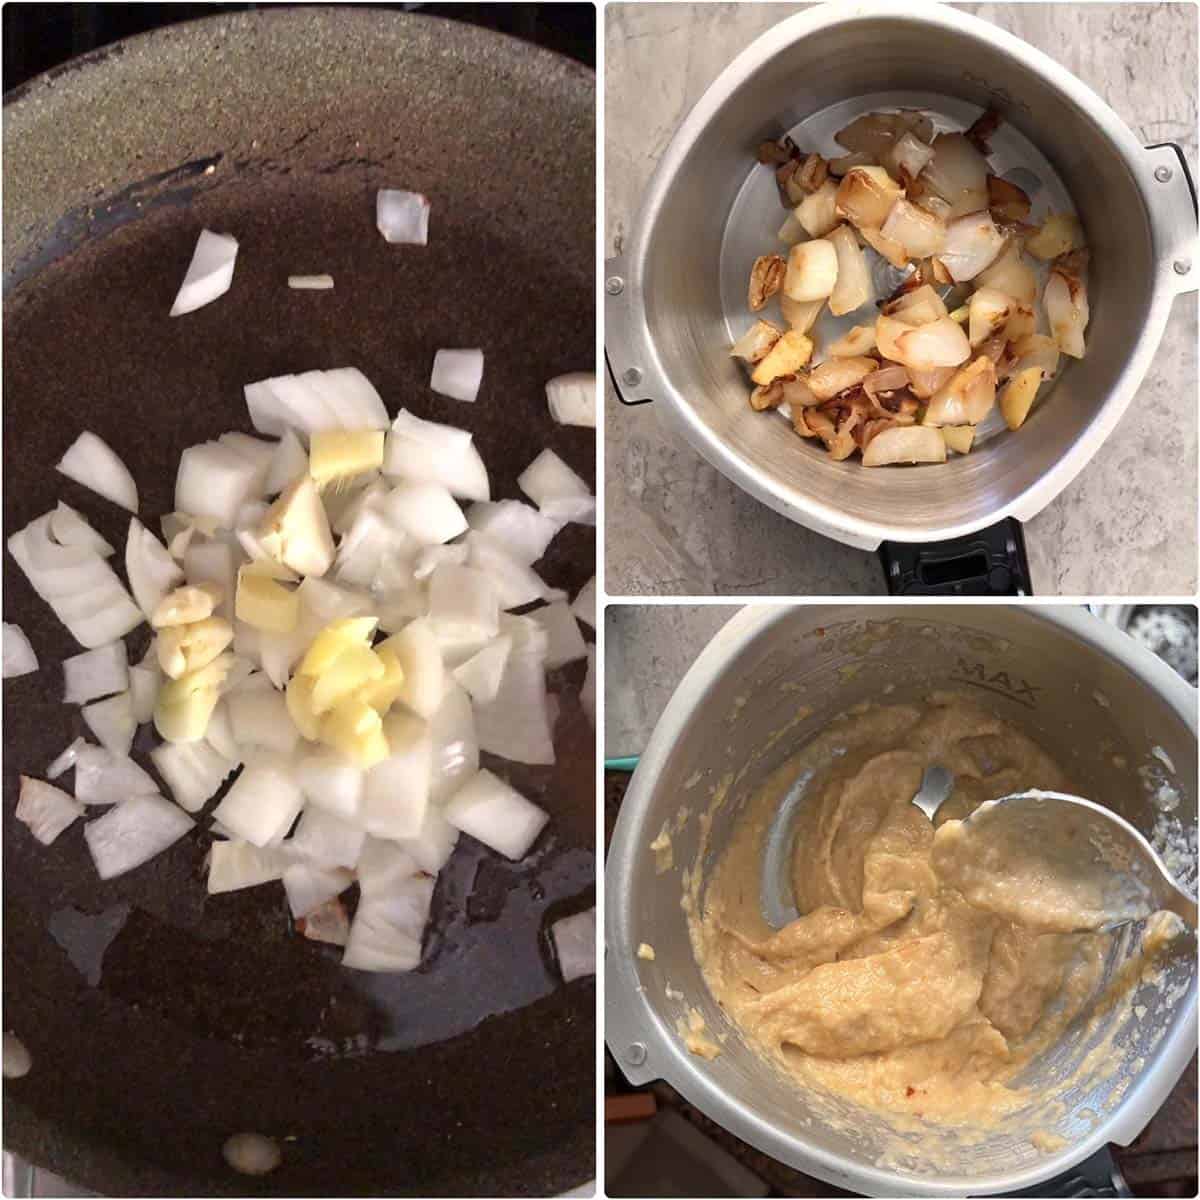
x=1182, y=266
x=614, y=285
x=1162, y=174
x=632, y=376
x=636, y=1054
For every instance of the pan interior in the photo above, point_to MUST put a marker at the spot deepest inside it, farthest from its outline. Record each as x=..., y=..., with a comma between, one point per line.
x=162, y=1021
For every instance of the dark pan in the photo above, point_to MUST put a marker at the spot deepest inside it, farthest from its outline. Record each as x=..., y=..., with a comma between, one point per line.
x=201, y=1018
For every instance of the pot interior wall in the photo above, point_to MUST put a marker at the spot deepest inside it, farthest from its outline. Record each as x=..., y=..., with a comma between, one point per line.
x=1082, y=706
x=688, y=325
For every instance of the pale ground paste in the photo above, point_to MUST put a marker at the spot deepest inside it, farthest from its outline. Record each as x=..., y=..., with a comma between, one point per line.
x=890, y=990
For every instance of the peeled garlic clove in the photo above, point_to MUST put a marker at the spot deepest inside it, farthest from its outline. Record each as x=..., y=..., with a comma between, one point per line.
x=1018, y=396
x=351, y=670
x=299, y=698
x=338, y=455
x=356, y=730
x=295, y=531
x=263, y=603
x=182, y=649
x=328, y=645
x=186, y=605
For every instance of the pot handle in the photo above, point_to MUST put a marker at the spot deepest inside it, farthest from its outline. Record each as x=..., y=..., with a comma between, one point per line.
x=626, y=354
x=1177, y=212
x=989, y=562
x=1097, y=1175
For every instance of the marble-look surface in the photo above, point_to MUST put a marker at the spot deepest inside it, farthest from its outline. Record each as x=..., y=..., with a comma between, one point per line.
x=675, y=525
x=648, y=649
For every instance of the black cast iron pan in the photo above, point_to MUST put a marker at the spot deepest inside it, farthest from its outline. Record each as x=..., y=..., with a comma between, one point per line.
x=203, y=1017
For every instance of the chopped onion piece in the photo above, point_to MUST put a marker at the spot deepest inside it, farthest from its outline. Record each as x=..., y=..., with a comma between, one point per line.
x=1018, y=396
x=235, y=864
x=853, y=288
x=989, y=312
x=516, y=724
x=838, y=375
x=972, y=243
x=402, y=217
x=584, y=604
x=515, y=583
x=19, y=658
x=425, y=511
x=462, y=604
x=261, y=718
x=565, y=643
x=213, y=562
x=481, y=674
x=417, y=651
x=429, y=558
x=559, y=492
x=112, y=722
x=95, y=673
x=1059, y=233
x=908, y=444
x=497, y=815
x=1010, y=274
x=70, y=528
x=133, y=832
x=908, y=157
x=91, y=461
x=209, y=274
x=422, y=451
x=309, y=886
x=397, y=789
x=575, y=945
x=457, y=374
x=102, y=777
x=572, y=398
x=327, y=840
x=66, y=760
x=310, y=283
x=194, y=771
x=454, y=746
x=331, y=783
x=151, y=570
x=214, y=481
x=1039, y=351
x=387, y=930
x=46, y=810
x=263, y=802
x=521, y=530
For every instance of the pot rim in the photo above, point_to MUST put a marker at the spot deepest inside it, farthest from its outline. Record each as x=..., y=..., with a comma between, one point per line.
x=626, y=315
x=630, y=1018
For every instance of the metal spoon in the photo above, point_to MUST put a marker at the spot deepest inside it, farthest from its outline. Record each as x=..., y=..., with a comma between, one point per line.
x=1069, y=838
x=776, y=897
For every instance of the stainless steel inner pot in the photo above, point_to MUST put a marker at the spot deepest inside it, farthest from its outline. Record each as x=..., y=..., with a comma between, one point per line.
x=671, y=304
x=1089, y=694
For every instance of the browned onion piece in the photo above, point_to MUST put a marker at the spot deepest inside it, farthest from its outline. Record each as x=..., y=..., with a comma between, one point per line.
x=920, y=233
x=837, y=374
x=958, y=174
x=966, y=398
x=916, y=307
x=908, y=157
x=775, y=154
x=813, y=173
x=1010, y=274
x=866, y=196
x=887, y=379
x=859, y=341
x=818, y=213
x=1006, y=201
x=853, y=288
x=1036, y=350
x=911, y=444
x=972, y=243
x=756, y=343
x=769, y=395
x=939, y=343
x=798, y=394
x=1059, y=233
x=892, y=251
x=872, y=134
x=1065, y=298
x=989, y=311
x=982, y=128
x=925, y=383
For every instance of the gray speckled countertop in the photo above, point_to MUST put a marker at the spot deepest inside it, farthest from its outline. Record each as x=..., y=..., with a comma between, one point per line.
x=1126, y=525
